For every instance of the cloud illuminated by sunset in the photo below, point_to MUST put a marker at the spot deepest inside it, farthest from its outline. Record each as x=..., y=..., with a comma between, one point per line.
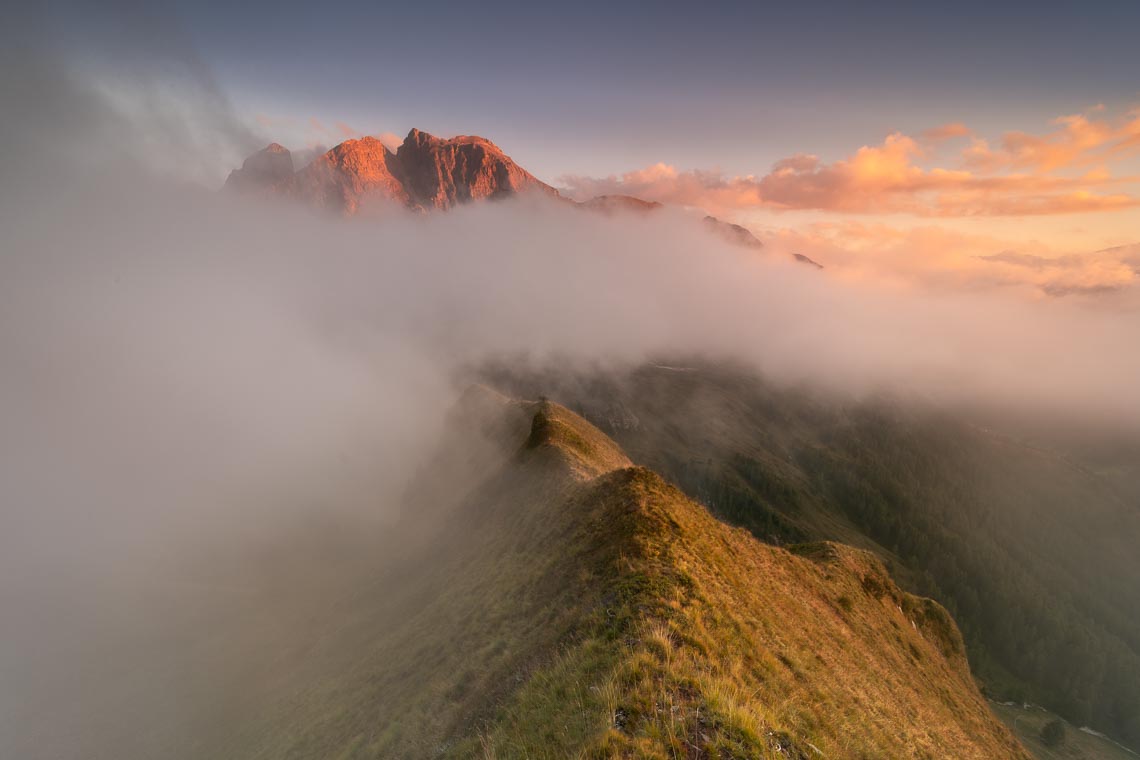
x=1065, y=170
x=938, y=257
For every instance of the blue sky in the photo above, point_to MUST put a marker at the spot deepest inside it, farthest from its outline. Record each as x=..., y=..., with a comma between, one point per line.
x=605, y=87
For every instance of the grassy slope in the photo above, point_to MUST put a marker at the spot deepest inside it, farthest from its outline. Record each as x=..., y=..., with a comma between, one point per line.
x=575, y=606
x=1034, y=554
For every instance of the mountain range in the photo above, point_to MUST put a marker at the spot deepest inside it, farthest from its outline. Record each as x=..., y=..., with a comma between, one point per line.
x=426, y=173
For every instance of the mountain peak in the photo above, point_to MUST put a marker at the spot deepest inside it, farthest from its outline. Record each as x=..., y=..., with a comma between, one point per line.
x=439, y=173
x=359, y=149
x=261, y=171
x=424, y=172
x=353, y=172
x=418, y=137
x=428, y=172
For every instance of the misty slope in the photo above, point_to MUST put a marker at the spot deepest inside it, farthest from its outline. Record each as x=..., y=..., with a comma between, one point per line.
x=575, y=605
x=1033, y=553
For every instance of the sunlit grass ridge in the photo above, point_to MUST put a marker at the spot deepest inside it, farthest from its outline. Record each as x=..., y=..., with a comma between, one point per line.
x=582, y=607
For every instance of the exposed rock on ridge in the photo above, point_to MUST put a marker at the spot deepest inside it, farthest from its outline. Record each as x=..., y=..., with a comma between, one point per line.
x=425, y=172
x=440, y=173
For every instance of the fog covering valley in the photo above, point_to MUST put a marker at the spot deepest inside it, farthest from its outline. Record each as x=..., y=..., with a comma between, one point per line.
x=213, y=406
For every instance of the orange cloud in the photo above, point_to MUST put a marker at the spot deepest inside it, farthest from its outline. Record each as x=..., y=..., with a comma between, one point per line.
x=1018, y=179
x=1129, y=135
x=938, y=258
x=664, y=183
x=1078, y=140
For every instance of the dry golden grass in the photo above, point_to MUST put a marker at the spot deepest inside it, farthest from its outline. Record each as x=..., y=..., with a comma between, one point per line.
x=581, y=607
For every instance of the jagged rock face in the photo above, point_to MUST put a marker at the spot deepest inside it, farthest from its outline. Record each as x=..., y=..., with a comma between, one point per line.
x=353, y=172
x=440, y=173
x=263, y=170
x=425, y=172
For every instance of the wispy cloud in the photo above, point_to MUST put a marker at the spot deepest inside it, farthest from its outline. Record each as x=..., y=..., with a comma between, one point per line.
x=1078, y=140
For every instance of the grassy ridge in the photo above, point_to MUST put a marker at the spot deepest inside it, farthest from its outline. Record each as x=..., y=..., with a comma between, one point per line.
x=576, y=606
x=1032, y=551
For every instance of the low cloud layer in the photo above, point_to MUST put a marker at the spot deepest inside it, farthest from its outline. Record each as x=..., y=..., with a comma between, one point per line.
x=163, y=338
x=936, y=259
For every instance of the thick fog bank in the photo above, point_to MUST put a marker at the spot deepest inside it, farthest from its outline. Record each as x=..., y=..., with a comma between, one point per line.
x=172, y=353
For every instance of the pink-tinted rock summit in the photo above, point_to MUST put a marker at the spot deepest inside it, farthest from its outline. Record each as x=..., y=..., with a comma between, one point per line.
x=425, y=172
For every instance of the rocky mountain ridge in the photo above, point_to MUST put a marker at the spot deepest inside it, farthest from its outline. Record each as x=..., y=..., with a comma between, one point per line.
x=425, y=173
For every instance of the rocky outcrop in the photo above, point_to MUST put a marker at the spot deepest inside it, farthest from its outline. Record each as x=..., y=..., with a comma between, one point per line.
x=440, y=173
x=425, y=172
x=428, y=173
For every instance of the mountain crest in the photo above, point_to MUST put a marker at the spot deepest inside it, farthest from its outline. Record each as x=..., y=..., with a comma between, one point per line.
x=271, y=165
x=425, y=172
x=586, y=450
x=351, y=173
x=439, y=173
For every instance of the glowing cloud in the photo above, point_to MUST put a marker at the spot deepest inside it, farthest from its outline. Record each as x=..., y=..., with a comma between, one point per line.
x=1020, y=178
x=934, y=258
